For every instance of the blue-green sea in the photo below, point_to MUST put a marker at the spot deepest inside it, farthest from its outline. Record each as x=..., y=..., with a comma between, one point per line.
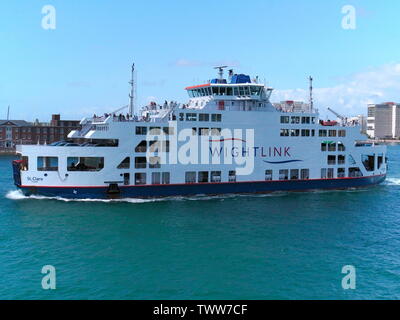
x=278, y=246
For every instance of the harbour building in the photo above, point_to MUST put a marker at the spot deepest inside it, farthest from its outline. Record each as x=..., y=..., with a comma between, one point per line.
x=383, y=120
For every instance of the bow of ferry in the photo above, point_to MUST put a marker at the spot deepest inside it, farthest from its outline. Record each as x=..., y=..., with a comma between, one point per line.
x=140, y=155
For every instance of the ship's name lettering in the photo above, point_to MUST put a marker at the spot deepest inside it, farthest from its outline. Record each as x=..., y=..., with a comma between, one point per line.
x=262, y=152
x=34, y=179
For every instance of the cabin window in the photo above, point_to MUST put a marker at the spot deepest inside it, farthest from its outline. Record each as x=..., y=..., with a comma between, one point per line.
x=191, y=117
x=355, y=172
x=140, y=178
x=215, y=176
x=295, y=120
x=294, y=132
x=156, y=178
x=190, y=177
x=268, y=175
x=305, y=174
x=47, y=163
x=322, y=133
x=140, y=162
x=194, y=131
x=204, y=117
x=368, y=162
x=141, y=131
x=305, y=120
x=332, y=147
x=85, y=163
x=305, y=132
x=125, y=164
x=332, y=133
x=215, y=131
x=341, y=159
x=285, y=119
x=203, y=176
x=155, y=131
x=142, y=146
x=232, y=176
x=284, y=174
x=341, y=172
x=331, y=160
x=284, y=132
x=181, y=117
x=342, y=133
x=380, y=160
x=168, y=130
x=294, y=174
x=204, y=131
x=323, y=146
x=341, y=147
x=154, y=162
x=216, y=117
x=166, y=178
x=25, y=163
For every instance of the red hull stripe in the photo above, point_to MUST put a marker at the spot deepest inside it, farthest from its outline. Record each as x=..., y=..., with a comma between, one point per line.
x=182, y=184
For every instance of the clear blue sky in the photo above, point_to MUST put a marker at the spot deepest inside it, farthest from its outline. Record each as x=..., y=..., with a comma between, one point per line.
x=84, y=65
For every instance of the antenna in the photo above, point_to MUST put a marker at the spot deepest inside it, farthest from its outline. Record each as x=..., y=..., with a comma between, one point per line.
x=221, y=71
x=131, y=95
x=311, y=96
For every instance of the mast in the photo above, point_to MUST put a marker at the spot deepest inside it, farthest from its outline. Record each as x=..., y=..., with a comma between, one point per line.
x=8, y=113
x=311, y=96
x=131, y=95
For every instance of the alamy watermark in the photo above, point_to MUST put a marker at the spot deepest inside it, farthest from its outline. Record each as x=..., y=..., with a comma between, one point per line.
x=349, y=20
x=349, y=280
x=49, y=280
x=49, y=17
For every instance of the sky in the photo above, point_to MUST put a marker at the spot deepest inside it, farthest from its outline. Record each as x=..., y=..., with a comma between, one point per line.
x=83, y=65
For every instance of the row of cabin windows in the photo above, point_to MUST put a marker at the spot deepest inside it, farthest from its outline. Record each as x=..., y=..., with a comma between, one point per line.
x=332, y=146
x=215, y=117
x=290, y=174
x=328, y=173
x=154, y=130
x=73, y=163
x=297, y=132
x=205, y=176
x=332, y=133
x=225, y=91
x=153, y=146
x=332, y=160
x=297, y=120
x=156, y=178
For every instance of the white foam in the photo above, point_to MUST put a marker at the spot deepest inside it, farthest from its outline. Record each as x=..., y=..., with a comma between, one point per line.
x=393, y=181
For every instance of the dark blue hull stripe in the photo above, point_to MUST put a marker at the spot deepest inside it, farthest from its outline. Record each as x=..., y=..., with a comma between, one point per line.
x=207, y=188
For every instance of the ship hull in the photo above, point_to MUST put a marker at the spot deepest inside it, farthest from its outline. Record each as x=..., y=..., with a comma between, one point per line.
x=171, y=190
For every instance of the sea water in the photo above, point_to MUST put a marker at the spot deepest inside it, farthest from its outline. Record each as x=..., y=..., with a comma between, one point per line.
x=276, y=246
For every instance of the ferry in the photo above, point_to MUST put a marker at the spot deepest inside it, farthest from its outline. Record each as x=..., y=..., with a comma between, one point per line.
x=228, y=138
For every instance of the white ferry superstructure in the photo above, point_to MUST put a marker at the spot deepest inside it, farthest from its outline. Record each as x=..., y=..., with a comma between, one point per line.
x=228, y=138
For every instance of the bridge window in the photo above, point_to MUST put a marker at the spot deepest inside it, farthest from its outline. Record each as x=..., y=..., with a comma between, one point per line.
x=125, y=164
x=140, y=178
x=190, y=177
x=229, y=91
x=47, y=163
x=268, y=175
x=85, y=163
x=255, y=91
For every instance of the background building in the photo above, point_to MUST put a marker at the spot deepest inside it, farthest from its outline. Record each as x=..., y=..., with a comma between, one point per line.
x=383, y=121
x=293, y=106
x=13, y=132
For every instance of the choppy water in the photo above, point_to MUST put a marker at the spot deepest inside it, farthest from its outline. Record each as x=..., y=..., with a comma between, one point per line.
x=279, y=246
